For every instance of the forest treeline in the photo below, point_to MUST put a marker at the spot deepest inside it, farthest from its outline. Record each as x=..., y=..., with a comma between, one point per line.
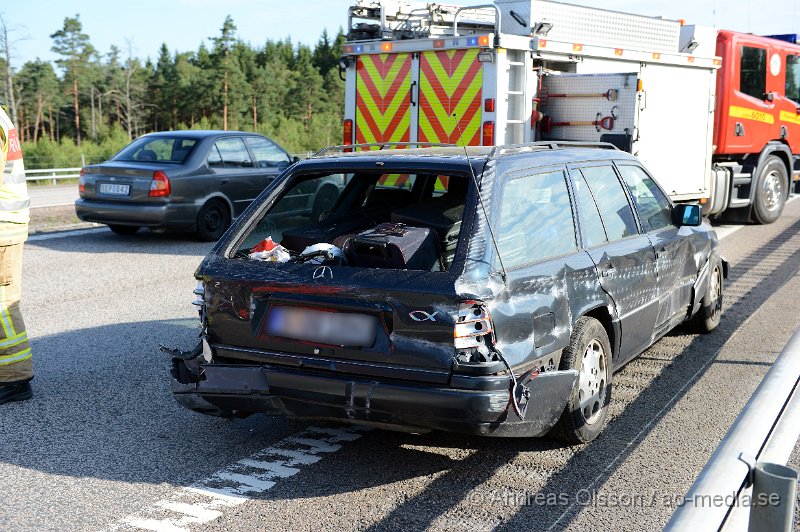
x=86, y=105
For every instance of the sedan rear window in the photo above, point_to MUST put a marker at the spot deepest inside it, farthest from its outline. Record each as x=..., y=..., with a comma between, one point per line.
x=344, y=209
x=172, y=150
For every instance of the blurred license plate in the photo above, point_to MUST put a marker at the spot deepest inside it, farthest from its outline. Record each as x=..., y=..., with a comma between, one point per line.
x=114, y=189
x=332, y=328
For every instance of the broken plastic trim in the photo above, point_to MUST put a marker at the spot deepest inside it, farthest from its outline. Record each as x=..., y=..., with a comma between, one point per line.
x=520, y=403
x=183, y=355
x=474, y=330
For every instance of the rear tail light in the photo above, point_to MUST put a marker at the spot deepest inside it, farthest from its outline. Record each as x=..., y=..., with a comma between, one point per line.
x=473, y=334
x=347, y=132
x=160, y=186
x=82, y=182
x=200, y=292
x=488, y=134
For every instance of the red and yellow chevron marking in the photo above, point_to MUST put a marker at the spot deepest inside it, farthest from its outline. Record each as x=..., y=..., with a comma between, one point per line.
x=395, y=181
x=404, y=181
x=382, y=98
x=451, y=81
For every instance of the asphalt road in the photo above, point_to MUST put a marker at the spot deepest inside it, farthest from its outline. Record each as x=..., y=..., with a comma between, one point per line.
x=52, y=195
x=103, y=446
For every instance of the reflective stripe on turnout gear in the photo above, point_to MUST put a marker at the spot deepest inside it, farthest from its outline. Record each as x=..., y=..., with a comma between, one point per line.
x=14, y=200
x=6, y=360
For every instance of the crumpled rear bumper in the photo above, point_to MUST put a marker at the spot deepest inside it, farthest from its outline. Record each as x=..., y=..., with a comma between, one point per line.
x=484, y=408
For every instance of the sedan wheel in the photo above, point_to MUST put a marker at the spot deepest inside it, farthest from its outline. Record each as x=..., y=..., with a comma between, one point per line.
x=708, y=316
x=124, y=229
x=591, y=381
x=212, y=221
x=588, y=352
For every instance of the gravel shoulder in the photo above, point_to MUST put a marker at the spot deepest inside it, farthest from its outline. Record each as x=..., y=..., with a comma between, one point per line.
x=53, y=219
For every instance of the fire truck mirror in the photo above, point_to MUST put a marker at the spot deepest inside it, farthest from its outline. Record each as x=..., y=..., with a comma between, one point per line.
x=770, y=96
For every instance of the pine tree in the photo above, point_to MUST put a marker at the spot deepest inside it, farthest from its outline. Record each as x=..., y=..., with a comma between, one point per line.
x=73, y=45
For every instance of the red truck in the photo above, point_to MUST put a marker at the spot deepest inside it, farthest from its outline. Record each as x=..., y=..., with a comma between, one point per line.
x=757, y=125
x=714, y=114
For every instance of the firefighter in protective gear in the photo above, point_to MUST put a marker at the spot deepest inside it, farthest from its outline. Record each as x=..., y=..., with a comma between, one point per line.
x=16, y=367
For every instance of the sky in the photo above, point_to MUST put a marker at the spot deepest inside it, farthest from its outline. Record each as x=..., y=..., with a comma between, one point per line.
x=184, y=24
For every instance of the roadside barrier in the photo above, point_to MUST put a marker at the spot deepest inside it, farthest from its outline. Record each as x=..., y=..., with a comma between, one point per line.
x=746, y=484
x=52, y=174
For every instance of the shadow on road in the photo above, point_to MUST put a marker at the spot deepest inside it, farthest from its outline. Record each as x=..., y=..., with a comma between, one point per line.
x=145, y=241
x=620, y=438
x=103, y=409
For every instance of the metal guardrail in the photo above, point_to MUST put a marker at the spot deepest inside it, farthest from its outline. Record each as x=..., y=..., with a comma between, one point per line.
x=53, y=174
x=746, y=484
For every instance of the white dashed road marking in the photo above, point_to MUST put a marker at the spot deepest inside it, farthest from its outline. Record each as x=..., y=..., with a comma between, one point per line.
x=205, y=501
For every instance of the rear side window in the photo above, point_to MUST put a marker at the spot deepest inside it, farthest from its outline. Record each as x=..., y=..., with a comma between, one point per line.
x=591, y=225
x=793, y=77
x=753, y=72
x=232, y=153
x=535, y=220
x=655, y=210
x=266, y=153
x=611, y=200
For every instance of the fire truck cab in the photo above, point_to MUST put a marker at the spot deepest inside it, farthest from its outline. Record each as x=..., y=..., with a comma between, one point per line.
x=519, y=71
x=757, y=119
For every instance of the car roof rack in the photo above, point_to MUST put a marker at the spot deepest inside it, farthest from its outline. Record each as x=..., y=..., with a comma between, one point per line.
x=508, y=149
x=381, y=146
x=497, y=151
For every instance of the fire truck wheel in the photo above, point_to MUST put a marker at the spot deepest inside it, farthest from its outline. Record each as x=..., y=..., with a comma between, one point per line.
x=771, y=191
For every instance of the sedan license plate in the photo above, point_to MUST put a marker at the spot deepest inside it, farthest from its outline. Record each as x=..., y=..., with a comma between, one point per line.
x=113, y=189
x=331, y=328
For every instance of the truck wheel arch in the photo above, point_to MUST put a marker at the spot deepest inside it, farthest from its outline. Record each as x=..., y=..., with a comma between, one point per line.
x=780, y=150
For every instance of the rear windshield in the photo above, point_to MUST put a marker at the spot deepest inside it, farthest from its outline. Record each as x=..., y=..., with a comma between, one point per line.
x=380, y=220
x=173, y=150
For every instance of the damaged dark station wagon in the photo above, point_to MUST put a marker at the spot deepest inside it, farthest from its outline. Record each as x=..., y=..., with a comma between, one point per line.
x=489, y=291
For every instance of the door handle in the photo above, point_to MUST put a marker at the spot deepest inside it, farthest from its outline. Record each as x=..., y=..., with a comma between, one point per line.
x=224, y=181
x=661, y=252
x=411, y=93
x=608, y=270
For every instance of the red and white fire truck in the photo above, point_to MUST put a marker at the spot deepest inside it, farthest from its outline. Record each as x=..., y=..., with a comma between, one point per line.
x=714, y=114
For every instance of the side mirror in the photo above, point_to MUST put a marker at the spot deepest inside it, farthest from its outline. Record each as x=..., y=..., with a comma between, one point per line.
x=770, y=96
x=687, y=215
x=295, y=159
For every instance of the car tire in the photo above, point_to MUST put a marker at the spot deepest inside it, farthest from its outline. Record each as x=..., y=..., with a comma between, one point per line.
x=588, y=352
x=212, y=220
x=325, y=199
x=124, y=229
x=708, y=316
x=771, y=191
